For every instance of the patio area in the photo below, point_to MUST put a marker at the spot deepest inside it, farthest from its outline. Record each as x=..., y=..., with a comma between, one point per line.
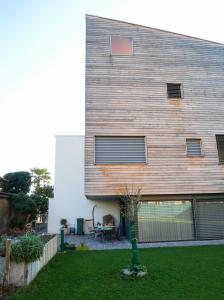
x=97, y=244
x=123, y=243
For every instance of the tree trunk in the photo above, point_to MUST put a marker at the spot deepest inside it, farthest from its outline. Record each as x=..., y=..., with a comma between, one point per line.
x=135, y=258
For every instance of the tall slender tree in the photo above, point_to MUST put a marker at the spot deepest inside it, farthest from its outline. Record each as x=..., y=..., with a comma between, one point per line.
x=42, y=190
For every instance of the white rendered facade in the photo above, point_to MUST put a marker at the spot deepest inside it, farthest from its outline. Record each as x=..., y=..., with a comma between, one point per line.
x=69, y=200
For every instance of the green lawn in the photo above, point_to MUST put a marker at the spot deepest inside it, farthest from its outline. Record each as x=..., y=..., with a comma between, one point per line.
x=175, y=273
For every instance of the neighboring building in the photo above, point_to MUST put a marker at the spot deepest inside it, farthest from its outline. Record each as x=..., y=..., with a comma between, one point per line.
x=155, y=120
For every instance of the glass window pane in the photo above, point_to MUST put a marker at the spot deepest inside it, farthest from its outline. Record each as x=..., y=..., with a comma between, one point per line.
x=165, y=221
x=121, y=45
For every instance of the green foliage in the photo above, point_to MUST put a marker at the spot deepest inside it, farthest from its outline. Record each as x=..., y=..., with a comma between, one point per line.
x=42, y=190
x=82, y=247
x=24, y=206
x=16, y=182
x=41, y=177
x=63, y=222
x=41, y=203
x=27, y=249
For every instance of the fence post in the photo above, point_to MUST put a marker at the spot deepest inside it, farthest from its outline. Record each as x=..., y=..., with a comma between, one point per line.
x=5, y=284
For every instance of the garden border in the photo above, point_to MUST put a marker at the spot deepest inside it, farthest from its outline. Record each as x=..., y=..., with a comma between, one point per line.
x=23, y=273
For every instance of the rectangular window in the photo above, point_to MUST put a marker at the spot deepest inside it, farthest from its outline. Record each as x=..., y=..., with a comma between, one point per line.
x=165, y=221
x=121, y=45
x=194, y=147
x=174, y=90
x=117, y=149
x=220, y=147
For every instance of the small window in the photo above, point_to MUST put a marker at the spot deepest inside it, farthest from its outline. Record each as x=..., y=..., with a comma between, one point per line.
x=220, y=147
x=121, y=45
x=194, y=147
x=119, y=149
x=174, y=90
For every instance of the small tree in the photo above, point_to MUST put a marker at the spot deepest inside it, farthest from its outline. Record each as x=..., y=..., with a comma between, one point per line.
x=16, y=182
x=131, y=200
x=25, y=209
x=41, y=189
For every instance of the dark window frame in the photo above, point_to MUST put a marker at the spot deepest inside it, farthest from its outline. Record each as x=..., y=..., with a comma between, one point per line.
x=221, y=161
x=180, y=88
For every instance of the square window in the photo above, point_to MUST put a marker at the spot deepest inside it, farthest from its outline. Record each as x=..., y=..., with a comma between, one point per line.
x=220, y=147
x=174, y=90
x=121, y=45
x=193, y=147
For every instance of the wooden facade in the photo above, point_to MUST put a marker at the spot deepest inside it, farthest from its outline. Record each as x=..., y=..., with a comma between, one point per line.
x=127, y=96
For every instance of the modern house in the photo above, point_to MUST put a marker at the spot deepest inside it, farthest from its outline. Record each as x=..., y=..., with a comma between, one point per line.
x=155, y=121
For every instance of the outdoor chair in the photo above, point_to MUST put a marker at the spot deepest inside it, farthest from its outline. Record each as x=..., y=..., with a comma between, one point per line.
x=92, y=232
x=108, y=220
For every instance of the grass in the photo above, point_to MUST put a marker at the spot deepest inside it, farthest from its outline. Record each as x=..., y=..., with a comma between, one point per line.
x=175, y=273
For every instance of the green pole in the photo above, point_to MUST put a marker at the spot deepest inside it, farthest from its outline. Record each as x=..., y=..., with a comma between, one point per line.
x=62, y=246
x=135, y=258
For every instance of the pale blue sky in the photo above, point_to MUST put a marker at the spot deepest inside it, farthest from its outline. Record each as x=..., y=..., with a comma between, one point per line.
x=42, y=51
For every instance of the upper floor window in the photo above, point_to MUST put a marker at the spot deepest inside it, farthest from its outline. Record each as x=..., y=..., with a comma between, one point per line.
x=194, y=147
x=174, y=90
x=119, y=149
x=220, y=147
x=121, y=45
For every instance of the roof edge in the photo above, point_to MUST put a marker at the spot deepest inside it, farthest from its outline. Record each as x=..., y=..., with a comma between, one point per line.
x=157, y=29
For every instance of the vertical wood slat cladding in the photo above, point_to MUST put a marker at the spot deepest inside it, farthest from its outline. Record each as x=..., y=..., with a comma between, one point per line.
x=127, y=95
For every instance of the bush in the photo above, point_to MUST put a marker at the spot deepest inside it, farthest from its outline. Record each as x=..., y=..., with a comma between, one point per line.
x=27, y=248
x=24, y=206
x=16, y=182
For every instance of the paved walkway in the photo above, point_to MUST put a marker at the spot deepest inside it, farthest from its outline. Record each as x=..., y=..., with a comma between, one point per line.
x=96, y=244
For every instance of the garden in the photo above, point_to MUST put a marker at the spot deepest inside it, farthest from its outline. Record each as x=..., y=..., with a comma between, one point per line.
x=173, y=273
x=24, y=249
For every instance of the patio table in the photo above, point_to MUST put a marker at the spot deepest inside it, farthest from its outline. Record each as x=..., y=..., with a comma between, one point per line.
x=105, y=230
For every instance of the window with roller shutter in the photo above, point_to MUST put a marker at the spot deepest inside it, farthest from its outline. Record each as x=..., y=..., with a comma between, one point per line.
x=193, y=147
x=119, y=150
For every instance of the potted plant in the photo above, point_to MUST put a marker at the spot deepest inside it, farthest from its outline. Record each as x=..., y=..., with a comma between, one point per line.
x=64, y=225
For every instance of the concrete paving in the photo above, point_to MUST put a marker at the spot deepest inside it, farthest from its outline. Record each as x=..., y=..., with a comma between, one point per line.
x=97, y=244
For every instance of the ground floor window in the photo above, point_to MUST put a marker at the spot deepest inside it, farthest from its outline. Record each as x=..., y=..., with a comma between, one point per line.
x=210, y=220
x=180, y=220
x=165, y=221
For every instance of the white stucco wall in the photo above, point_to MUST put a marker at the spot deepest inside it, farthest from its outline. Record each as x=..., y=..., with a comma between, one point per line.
x=69, y=200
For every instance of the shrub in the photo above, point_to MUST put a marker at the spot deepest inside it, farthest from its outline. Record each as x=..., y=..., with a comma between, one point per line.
x=24, y=206
x=16, y=182
x=27, y=248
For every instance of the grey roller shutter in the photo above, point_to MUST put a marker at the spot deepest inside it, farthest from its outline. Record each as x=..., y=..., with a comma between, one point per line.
x=193, y=147
x=210, y=219
x=109, y=150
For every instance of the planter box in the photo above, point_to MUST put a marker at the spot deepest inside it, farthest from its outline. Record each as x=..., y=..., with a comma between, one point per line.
x=22, y=274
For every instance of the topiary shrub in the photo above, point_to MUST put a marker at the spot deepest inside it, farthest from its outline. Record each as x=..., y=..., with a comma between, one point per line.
x=27, y=248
